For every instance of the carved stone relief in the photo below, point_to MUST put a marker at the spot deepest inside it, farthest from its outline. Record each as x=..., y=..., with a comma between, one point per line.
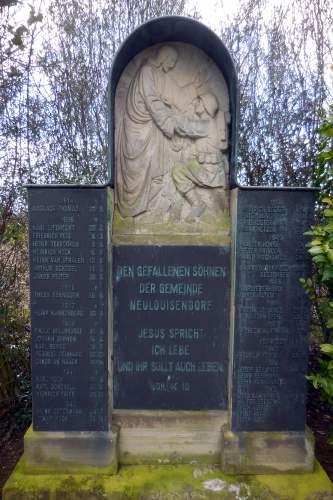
x=172, y=115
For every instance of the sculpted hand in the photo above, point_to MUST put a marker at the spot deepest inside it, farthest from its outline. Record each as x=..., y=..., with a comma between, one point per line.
x=177, y=143
x=168, y=130
x=166, y=101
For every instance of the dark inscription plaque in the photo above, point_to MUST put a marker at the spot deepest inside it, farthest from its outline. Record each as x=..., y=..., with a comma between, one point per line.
x=171, y=324
x=271, y=310
x=68, y=273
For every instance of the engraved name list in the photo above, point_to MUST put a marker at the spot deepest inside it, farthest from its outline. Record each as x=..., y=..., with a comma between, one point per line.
x=68, y=303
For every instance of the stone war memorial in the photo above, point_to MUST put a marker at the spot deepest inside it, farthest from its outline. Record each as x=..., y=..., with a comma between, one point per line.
x=169, y=328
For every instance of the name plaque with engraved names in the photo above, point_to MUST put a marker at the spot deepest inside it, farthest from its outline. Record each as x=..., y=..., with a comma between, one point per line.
x=171, y=327
x=271, y=310
x=68, y=280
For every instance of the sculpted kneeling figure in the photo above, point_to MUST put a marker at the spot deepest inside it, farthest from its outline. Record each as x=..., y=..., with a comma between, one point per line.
x=205, y=166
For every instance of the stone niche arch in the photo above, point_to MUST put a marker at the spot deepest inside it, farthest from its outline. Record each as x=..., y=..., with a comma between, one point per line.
x=175, y=29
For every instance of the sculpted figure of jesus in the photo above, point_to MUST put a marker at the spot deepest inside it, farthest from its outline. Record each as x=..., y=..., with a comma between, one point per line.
x=149, y=123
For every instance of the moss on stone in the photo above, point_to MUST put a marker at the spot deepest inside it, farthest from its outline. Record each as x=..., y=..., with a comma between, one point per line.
x=209, y=231
x=47, y=453
x=174, y=458
x=52, y=466
x=298, y=487
x=166, y=482
x=267, y=452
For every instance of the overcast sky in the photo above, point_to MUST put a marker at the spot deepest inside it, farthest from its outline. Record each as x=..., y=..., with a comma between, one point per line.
x=211, y=11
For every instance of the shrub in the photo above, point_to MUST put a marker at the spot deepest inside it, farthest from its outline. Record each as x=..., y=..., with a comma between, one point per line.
x=15, y=387
x=320, y=286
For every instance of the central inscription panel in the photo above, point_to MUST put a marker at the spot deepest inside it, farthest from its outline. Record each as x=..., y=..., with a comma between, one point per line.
x=171, y=327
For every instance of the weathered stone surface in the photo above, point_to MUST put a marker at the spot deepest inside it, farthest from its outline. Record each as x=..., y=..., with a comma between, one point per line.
x=74, y=452
x=267, y=452
x=182, y=482
x=169, y=437
x=172, y=116
x=18, y=493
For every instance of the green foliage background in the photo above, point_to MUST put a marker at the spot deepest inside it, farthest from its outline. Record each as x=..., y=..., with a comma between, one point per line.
x=320, y=286
x=15, y=384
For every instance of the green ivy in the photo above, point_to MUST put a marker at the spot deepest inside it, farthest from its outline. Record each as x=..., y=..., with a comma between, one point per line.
x=323, y=174
x=323, y=380
x=319, y=287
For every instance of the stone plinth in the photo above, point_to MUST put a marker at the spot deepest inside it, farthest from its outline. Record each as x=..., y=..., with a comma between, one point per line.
x=267, y=452
x=169, y=437
x=71, y=452
x=167, y=482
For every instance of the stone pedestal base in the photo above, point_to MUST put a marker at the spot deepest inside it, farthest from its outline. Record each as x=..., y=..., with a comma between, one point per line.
x=267, y=452
x=167, y=482
x=71, y=452
x=169, y=437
